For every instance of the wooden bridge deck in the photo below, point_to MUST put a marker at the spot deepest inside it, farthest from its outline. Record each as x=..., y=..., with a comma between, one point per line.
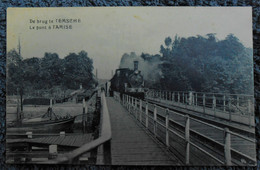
x=130, y=144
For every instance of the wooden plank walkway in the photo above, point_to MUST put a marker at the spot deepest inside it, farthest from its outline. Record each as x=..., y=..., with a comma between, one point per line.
x=130, y=144
x=70, y=141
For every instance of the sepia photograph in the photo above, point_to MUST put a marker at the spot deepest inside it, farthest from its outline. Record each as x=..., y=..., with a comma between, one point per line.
x=130, y=86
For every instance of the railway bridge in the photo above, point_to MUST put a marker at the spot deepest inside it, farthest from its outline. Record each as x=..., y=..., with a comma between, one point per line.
x=175, y=128
x=172, y=128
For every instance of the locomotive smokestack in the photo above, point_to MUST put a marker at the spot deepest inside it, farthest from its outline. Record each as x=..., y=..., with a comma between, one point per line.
x=135, y=65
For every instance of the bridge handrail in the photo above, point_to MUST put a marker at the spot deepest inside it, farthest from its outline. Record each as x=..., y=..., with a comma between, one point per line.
x=237, y=107
x=131, y=104
x=105, y=136
x=230, y=94
x=216, y=127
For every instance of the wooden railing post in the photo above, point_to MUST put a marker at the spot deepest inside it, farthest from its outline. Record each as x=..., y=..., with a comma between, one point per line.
x=155, y=120
x=128, y=102
x=173, y=96
x=132, y=105
x=224, y=103
x=18, y=107
x=227, y=147
x=62, y=133
x=190, y=98
x=53, y=151
x=186, y=100
x=187, y=139
x=141, y=111
x=123, y=99
x=135, y=108
x=229, y=108
x=204, y=102
x=29, y=135
x=196, y=98
x=193, y=99
x=178, y=97
x=237, y=101
x=213, y=101
x=214, y=104
x=163, y=95
x=146, y=115
x=249, y=111
x=50, y=112
x=84, y=116
x=51, y=103
x=167, y=127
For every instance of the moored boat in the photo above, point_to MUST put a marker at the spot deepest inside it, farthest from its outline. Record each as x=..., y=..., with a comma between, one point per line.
x=49, y=122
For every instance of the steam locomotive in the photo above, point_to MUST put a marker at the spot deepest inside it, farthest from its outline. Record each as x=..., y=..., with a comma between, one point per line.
x=127, y=81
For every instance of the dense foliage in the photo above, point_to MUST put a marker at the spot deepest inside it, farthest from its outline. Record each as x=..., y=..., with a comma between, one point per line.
x=202, y=64
x=49, y=72
x=206, y=64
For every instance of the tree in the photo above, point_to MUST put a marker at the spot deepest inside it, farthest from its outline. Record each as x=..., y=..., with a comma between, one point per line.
x=51, y=70
x=13, y=57
x=168, y=41
x=14, y=72
x=207, y=64
x=78, y=70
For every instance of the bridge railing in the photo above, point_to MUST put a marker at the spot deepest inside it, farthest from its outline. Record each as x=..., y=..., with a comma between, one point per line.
x=232, y=107
x=179, y=132
x=103, y=141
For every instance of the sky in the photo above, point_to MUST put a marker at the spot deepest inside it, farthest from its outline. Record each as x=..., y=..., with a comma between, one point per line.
x=106, y=33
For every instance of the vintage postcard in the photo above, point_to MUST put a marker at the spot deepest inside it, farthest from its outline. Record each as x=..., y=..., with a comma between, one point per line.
x=130, y=86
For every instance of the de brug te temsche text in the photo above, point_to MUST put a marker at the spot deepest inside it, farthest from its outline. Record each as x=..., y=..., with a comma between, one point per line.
x=53, y=24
